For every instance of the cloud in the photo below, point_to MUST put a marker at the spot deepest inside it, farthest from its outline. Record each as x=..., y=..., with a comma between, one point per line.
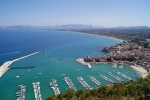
x=96, y=19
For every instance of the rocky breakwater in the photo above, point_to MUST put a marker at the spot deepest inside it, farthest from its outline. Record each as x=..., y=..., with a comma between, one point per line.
x=82, y=62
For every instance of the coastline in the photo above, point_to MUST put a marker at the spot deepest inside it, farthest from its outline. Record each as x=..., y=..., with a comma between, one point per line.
x=103, y=36
x=141, y=70
x=99, y=35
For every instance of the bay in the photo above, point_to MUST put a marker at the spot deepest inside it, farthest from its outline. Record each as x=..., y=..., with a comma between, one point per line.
x=58, y=51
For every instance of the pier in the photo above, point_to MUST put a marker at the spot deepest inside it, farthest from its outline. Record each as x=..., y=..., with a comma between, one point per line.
x=37, y=92
x=82, y=62
x=115, y=77
x=5, y=66
x=105, y=78
x=123, y=75
x=80, y=79
x=29, y=67
x=54, y=86
x=93, y=79
x=21, y=92
x=69, y=83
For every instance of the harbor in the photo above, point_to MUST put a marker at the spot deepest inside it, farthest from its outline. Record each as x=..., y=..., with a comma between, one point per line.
x=49, y=68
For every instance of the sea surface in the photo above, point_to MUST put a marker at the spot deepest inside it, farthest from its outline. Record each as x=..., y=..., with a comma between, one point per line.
x=58, y=52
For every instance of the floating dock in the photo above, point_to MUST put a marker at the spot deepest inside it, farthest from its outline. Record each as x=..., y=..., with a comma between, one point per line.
x=80, y=79
x=21, y=92
x=69, y=83
x=115, y=77
x=54, y=86
x=105, y=78
x=5, y=66
x=37, y=92
x=123, y=75
x=93, y=79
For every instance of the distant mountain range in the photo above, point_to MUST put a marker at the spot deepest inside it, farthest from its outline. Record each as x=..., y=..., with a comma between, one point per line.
x=69, y=26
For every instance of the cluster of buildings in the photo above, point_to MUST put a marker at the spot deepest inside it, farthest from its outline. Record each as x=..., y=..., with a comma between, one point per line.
x=126, y=53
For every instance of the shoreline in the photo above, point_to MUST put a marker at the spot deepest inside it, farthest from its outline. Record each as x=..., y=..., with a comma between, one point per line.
x=99, y=35
x=141, y=70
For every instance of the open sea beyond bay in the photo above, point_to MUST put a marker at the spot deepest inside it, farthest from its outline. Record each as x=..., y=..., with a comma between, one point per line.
x=56, y=60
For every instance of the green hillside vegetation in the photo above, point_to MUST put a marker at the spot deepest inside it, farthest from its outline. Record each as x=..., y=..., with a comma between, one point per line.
x=134, y=90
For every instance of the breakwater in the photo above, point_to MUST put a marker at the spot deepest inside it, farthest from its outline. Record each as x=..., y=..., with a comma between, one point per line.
x=5, y=66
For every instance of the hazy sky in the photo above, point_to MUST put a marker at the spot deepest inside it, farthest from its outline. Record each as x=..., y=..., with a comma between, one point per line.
x=107, y=13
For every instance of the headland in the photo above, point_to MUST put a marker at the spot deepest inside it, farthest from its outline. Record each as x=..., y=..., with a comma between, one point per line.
x=133, y=51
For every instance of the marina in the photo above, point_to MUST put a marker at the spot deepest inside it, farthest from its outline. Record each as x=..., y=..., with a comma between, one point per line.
x=37, y=92
x=54, y=86
x=93, y=79
x=49, y=69
x=69, y=83
x=84, y=84
x=21, y=92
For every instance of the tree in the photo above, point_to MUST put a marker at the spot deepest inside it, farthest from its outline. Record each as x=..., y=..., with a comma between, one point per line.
x=53, y=97
x=79, y=93
x=69, y=94
x=60, y=96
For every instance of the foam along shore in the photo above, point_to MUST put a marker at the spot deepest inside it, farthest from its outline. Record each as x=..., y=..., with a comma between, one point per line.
x=82, y=62
x=141, y=70
x=5, y=66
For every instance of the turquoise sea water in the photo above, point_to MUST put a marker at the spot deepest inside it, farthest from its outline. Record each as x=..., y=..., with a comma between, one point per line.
x=56, y=60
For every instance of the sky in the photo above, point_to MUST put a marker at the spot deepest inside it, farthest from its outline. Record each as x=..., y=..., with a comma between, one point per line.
x=108, y=13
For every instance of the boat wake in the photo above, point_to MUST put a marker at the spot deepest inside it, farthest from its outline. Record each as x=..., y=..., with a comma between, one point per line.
x=78, y=69
x=63, y=74
x=10, y=53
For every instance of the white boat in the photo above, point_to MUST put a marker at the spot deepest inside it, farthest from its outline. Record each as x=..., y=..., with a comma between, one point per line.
x=17, y=76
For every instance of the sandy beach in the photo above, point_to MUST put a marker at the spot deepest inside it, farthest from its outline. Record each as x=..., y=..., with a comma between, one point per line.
x=104, y=36
x=141, y=70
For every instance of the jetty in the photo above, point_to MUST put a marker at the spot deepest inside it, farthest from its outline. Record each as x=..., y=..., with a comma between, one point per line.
x=114, y=66
x=115, y=77
x=5, y=66
x=123, y=75
x=93, y=79
x=54, y=86
x=28, y=67
x=80, y=79
x=69, y=83
x=37, y=92
x=21, y=92
x=105, y=78
x=82, y=62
